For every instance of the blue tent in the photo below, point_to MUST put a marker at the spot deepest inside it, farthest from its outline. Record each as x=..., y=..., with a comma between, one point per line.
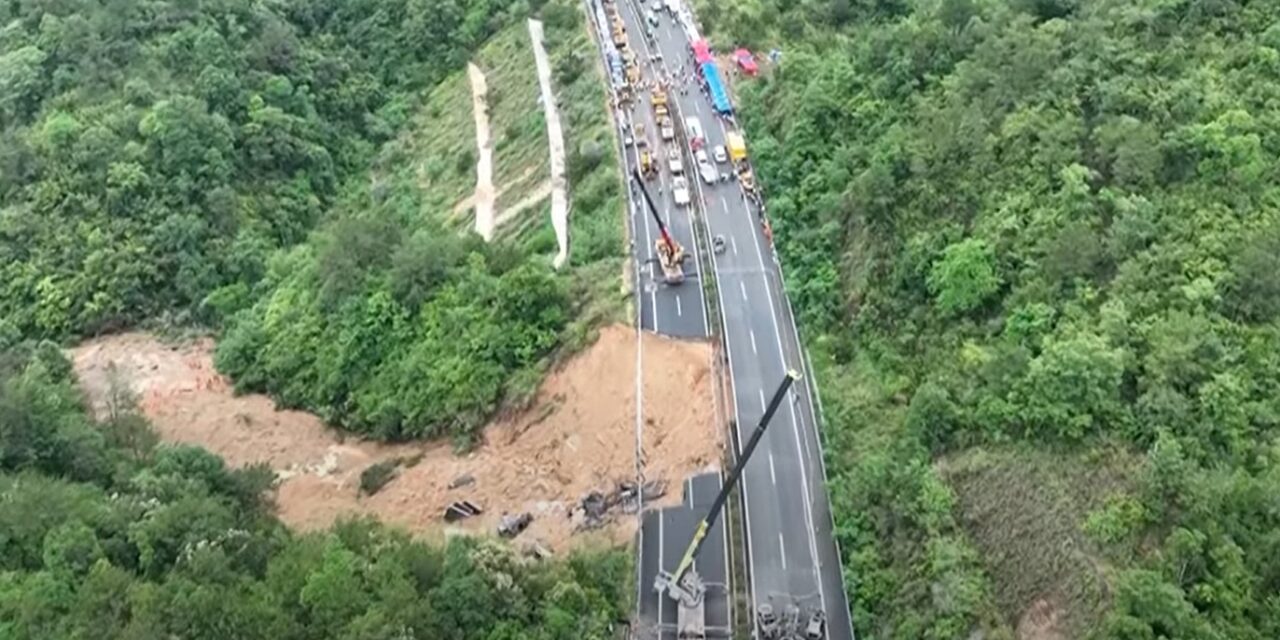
x=715, y=86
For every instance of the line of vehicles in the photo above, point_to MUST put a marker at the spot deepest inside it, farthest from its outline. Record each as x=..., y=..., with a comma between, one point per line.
x=734, y=152
x=713, y=164
x=709, y=163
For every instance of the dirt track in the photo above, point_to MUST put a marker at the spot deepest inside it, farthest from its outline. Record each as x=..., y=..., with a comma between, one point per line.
x=578, y=436
x=555, y=145
x=485, y=196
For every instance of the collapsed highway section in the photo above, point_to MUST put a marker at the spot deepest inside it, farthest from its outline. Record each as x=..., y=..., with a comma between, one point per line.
x=665, y=79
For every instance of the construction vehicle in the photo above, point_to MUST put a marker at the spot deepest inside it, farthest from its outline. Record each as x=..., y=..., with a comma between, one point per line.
x=746, y=177
x=659, y=102
x=619, y=33
x=737, y=146
x=684, y=585
x=670, y=254
x=646, y=165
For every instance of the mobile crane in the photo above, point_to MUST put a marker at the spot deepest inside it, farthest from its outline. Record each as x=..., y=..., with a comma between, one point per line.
x=685, y=586
x=670, y=254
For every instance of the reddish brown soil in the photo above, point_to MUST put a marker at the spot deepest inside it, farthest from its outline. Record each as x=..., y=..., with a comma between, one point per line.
x=578, y=436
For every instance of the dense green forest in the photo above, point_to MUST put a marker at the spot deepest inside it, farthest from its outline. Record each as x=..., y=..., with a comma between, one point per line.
x=1035, y=248
x=104, y=534
x=230, y=166
x=391, y=322
x=151, y=152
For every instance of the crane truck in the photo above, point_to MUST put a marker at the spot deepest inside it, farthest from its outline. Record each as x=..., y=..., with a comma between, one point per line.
x=685, y=586
x=670, y=254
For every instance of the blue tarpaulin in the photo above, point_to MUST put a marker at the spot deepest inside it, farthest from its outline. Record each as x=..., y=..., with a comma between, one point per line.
x=715, y=86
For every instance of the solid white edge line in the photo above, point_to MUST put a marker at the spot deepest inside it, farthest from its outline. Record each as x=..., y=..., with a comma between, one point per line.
x=804, y=474
x=752, y=586
x=660, y=560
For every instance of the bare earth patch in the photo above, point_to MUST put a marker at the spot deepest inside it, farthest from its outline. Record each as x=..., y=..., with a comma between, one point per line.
x=1041, y=621
x=484, y=196
x=578, y=436
x=555, y=144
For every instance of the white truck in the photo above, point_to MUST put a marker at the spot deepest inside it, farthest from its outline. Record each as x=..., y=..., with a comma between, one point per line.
x=668, y=128
x=705, y=169
x=680, y=188
x=674, y=162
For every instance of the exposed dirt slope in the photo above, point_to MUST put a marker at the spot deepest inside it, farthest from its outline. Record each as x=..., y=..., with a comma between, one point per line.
x=555, y=144
x=578, y=436
x=484, y=196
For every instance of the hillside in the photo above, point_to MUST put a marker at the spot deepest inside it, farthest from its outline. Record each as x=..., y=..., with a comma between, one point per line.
x=577, y=436
x=152, y=153
x=1034, y=247
x=104, y=534
x=393, y=320
x=295, y=177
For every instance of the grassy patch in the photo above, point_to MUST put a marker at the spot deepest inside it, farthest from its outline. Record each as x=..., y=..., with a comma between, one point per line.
x=437, y=156
x=1023, y=509
x=520, y=160
x=440, y=148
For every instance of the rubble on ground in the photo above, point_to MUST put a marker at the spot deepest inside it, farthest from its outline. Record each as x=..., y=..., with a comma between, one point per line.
x=577, y=437
x=511, y=526
x=461, y=510
x=597, y=509
x=535, y=549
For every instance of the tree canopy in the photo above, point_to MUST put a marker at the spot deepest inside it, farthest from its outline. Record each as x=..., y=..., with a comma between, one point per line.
x=152, y=152
x=1034, y=224
x=102, y=538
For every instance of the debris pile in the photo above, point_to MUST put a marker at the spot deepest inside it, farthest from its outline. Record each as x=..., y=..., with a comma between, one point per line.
x=461, y=510
x=511, y=526
x=792, y=624
x=578, y=436
x=596, y=509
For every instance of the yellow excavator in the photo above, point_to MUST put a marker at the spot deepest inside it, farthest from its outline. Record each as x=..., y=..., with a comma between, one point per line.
x=670, y=254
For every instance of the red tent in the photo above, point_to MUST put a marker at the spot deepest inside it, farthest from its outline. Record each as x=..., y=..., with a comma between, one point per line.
x=701, y=51
x=746, y=62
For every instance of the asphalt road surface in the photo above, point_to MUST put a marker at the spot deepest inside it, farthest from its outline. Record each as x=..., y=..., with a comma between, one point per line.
x=665, y=534
x=675, y=310
x=790, y=543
